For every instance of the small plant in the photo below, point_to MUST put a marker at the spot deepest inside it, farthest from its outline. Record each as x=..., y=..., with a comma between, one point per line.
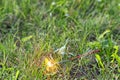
x=115, y=55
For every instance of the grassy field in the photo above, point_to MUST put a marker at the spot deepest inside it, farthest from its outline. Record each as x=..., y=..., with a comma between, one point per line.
x=34, y=32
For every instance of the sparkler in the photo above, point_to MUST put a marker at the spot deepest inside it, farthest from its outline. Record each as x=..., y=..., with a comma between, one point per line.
x=85, y=54
x=53, y=66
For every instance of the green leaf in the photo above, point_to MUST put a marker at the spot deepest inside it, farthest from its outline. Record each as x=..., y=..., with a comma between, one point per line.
x=99, y=61
x=17, y=74
x=26, y=38
x=115, y=55
x=102, y=35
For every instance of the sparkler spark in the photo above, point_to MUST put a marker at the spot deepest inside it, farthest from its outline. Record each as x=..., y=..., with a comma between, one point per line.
x=51, y=66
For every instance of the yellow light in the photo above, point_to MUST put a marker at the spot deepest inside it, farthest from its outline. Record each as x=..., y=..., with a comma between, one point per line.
x=51, y=66
x=48, y=62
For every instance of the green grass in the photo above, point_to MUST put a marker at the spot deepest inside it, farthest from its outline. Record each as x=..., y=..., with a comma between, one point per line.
x=30, y=29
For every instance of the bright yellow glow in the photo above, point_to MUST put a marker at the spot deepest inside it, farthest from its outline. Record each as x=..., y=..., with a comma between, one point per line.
x=48, y=62
x=51, y=66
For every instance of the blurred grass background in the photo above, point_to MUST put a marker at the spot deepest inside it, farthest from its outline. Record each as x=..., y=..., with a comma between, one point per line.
x=30, y=27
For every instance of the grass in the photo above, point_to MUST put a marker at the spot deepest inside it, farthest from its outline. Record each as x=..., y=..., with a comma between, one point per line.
x=33, y=29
